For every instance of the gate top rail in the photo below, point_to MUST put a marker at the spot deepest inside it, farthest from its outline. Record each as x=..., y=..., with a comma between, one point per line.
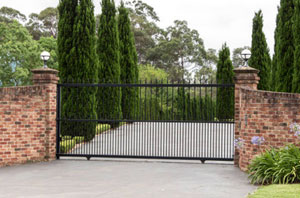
x=140, y=85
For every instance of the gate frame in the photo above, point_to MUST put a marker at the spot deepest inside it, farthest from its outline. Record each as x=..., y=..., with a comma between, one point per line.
x=88, y=156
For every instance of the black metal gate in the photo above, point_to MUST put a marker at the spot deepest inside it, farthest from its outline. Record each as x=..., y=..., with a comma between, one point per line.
x=159, y=120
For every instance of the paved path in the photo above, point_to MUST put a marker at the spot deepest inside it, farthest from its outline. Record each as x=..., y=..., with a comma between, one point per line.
x=205, y=140
x=123, y=179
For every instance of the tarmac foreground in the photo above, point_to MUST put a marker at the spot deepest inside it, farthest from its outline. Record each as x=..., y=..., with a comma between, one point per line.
x=74, y=178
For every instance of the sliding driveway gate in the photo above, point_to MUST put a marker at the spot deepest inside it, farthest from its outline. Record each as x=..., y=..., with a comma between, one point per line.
x=159, y=121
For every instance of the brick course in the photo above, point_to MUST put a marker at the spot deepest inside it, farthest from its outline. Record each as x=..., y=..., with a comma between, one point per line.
x=27, y=120
x=263, y=113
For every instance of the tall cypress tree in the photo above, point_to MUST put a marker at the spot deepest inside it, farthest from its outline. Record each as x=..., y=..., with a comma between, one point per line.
x=296, y=31
x=128, y=63
x=67, y=13
x=260, y=58
x=274, y=80
x=109, y=105
x=80, y=103
x=225, y=96
x=285, y=48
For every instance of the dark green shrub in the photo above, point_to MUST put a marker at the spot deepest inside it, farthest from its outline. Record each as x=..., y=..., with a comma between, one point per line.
x=277, y=166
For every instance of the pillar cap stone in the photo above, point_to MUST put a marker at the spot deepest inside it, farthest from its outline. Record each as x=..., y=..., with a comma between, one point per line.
x=44, y=76
x=246, y=77
x=246, y=70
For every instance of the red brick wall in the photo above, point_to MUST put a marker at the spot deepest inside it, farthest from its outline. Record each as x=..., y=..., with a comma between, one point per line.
x=267, y=114
x=27, y=124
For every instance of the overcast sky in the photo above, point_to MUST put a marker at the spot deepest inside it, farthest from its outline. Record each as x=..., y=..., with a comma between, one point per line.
x=217, y=21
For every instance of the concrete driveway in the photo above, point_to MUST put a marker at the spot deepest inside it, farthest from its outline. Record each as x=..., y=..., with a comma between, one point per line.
x=164, y=139
x=123, y=179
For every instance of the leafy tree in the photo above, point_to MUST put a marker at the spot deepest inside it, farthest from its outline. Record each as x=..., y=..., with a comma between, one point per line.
x=285, y=46
x=207, y=72
x=49, y=44
x=160, y=47
x=210, y=59
x=150, y=73
x=81, y=65
x=128, y=63
x=43, y=24
x=225, y=96
x=296, y=31
x=144, y=10
x=206, y=75
x=109, y=57
x=34, y=26
x=145, y=30
x=260, y=58
x=179, y=47
x=49, y=19
x=9, y=14
x=237, y=60
x=19, y=54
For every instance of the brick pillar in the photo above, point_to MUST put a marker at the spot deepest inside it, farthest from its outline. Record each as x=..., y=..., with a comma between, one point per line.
x=48, y=79
x=245, y=77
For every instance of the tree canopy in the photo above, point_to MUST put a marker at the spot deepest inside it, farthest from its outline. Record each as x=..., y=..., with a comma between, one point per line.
x=179, y=49
x=43, y=24
x=19, y=54
x=9, y=14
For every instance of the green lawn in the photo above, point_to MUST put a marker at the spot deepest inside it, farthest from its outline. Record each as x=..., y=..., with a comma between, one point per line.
x=101, y=128
x=277, y=191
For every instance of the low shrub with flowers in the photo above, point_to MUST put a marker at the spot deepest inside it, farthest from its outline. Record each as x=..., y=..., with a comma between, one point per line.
x=277, y=166
x=256, y=140
x=295, y=128
x=239, y=143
